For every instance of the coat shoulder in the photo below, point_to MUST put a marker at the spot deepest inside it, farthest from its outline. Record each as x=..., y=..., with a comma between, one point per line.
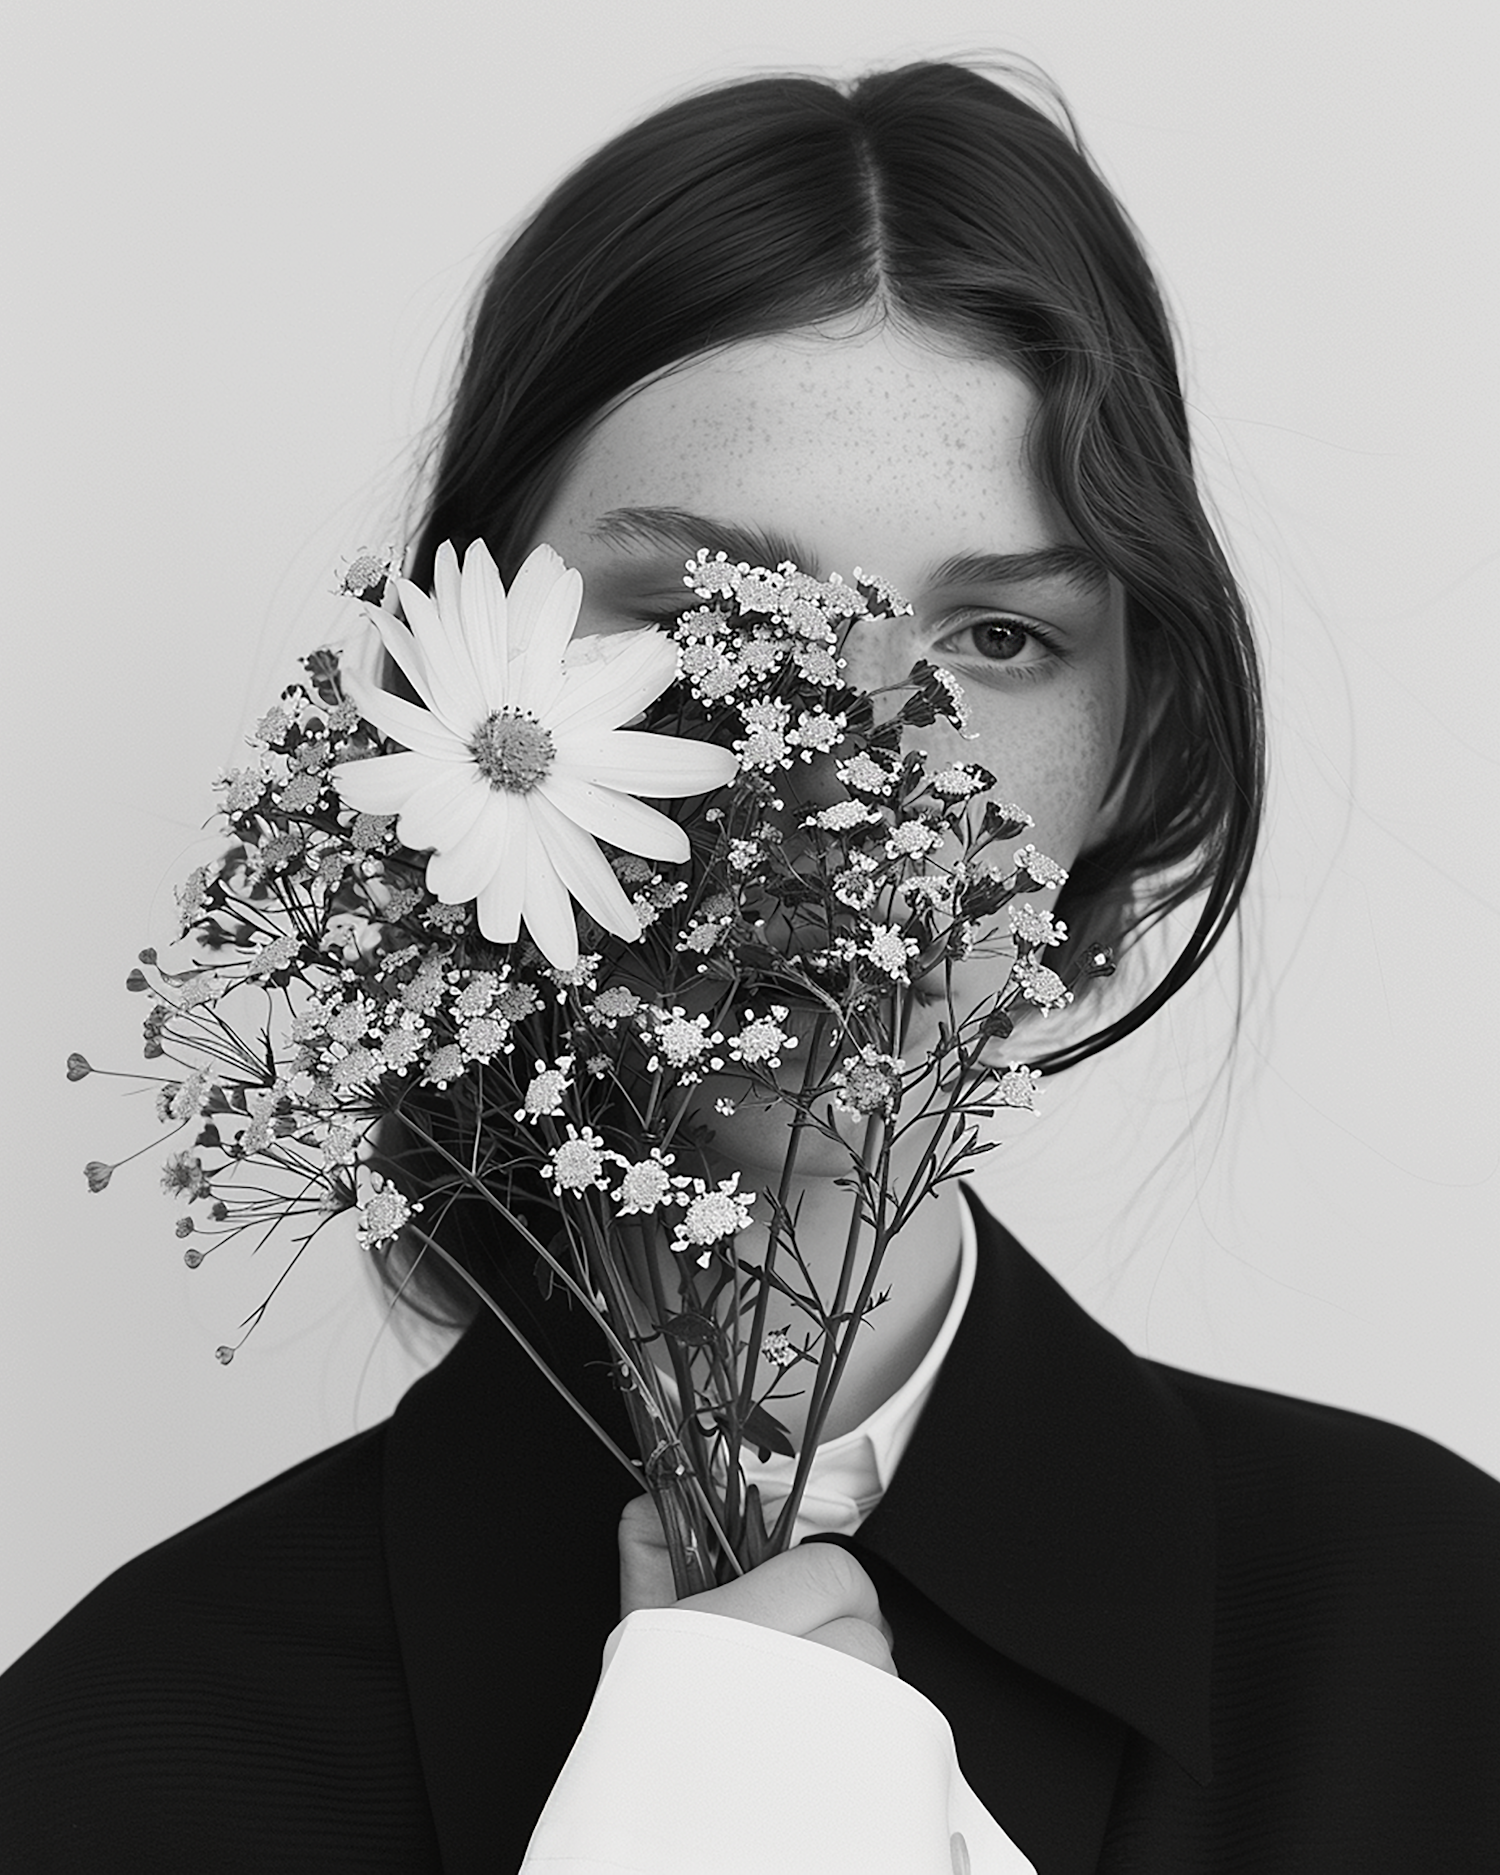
x=1349, y=1463
x=231, y=1698
x=1355, y=1523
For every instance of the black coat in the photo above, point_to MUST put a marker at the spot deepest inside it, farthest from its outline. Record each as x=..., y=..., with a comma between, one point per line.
x=1177, y=1625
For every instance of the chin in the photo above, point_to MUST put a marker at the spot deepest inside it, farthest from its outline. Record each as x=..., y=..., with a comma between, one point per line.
x=753, y=1140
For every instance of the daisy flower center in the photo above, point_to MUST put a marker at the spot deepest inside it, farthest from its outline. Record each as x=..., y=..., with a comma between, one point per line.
x=512, y=751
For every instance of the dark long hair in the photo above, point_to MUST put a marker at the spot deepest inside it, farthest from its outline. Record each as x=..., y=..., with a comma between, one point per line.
x=943, y=199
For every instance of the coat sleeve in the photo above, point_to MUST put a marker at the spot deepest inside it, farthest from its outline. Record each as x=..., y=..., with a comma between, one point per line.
x=231, y=1700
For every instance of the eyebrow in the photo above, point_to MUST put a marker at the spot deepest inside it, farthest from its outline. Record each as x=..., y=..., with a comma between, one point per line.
x=679, y=530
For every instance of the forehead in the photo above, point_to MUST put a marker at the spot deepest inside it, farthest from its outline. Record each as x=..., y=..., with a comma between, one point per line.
x=846, y=442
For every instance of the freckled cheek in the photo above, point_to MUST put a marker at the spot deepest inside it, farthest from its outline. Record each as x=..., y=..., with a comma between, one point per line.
x=1055, y=764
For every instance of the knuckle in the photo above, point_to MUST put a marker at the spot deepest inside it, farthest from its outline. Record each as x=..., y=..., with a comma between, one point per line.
x=835, y=1571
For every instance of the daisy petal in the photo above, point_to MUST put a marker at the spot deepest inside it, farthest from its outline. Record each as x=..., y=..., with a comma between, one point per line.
x=440, y=813
x=486, y=613
x=619, y=818
x=466, y=868
x=384, y=783
x=547, y=909
x=631, y=673
x=424, y=673
x=447, y=587
x=542, y=675
x=584, y=870
x=499, y=904
x=535, y=578
x=660, y=767
x=420, y=730
x=440, y=641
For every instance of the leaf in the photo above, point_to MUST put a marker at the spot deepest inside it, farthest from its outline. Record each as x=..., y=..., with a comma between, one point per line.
x=692, y=1329
x=759, y=1429
x=757, y=1537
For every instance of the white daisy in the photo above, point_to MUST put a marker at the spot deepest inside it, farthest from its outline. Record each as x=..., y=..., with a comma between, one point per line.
x=518, y=764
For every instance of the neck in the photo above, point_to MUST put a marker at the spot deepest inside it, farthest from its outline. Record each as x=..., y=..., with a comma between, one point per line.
x=916, y=1277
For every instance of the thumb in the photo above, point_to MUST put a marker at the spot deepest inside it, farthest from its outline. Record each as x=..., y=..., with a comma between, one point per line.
x=646, y=1579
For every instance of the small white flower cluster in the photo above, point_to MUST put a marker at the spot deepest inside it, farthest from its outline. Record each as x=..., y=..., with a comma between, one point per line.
x=651, y=892
x=580, y=980
x=290, y=775
x=712, y=1215
x=863, y=774
x=1017, y=1087
x=646, y=1185
x=612, y=1006
x=579, y=1163
x=278, y=954
x=1040, y=986
x=778, y=1349
x=367, y=571
x=755, y=627
x=711, y=924
x=913, y=839
x=1031, y=925
x=891, y=951
x=543, y=1099
x=681, y=1045
x=384, y=1214
x=1045, y=872
x=762, y=1040
x=842, y=816
x=960, y=781
x=869, y=1083
x=177, y=1102
x=348, y=1040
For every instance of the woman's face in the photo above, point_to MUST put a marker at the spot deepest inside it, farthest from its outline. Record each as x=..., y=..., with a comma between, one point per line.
x=884, y=452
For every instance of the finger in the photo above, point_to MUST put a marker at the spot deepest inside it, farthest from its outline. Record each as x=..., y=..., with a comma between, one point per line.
x=862, y=1640
x=797, y=1591
x=645, y=1563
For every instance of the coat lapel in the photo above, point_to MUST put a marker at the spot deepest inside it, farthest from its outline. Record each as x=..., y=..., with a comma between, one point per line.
x=1054, y=1505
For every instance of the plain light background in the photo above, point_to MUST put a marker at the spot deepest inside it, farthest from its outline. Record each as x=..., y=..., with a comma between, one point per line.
x=240, y=240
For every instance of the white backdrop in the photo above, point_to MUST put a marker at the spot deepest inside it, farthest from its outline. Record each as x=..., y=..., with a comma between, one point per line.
x=240, y=239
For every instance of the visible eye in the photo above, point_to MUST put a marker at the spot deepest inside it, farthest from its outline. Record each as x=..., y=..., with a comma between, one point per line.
x=1020, y=643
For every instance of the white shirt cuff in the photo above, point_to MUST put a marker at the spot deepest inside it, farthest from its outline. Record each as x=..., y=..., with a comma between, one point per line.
x=715, y=1747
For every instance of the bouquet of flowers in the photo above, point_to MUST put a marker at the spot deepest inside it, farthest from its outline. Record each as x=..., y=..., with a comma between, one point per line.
x=454, y=931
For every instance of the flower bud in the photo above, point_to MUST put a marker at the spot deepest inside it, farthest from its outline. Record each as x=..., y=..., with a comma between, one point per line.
x=98, y=1174
x=78, y=1067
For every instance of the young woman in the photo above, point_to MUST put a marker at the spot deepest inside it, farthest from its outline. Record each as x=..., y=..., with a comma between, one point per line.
x=1175, y=1624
